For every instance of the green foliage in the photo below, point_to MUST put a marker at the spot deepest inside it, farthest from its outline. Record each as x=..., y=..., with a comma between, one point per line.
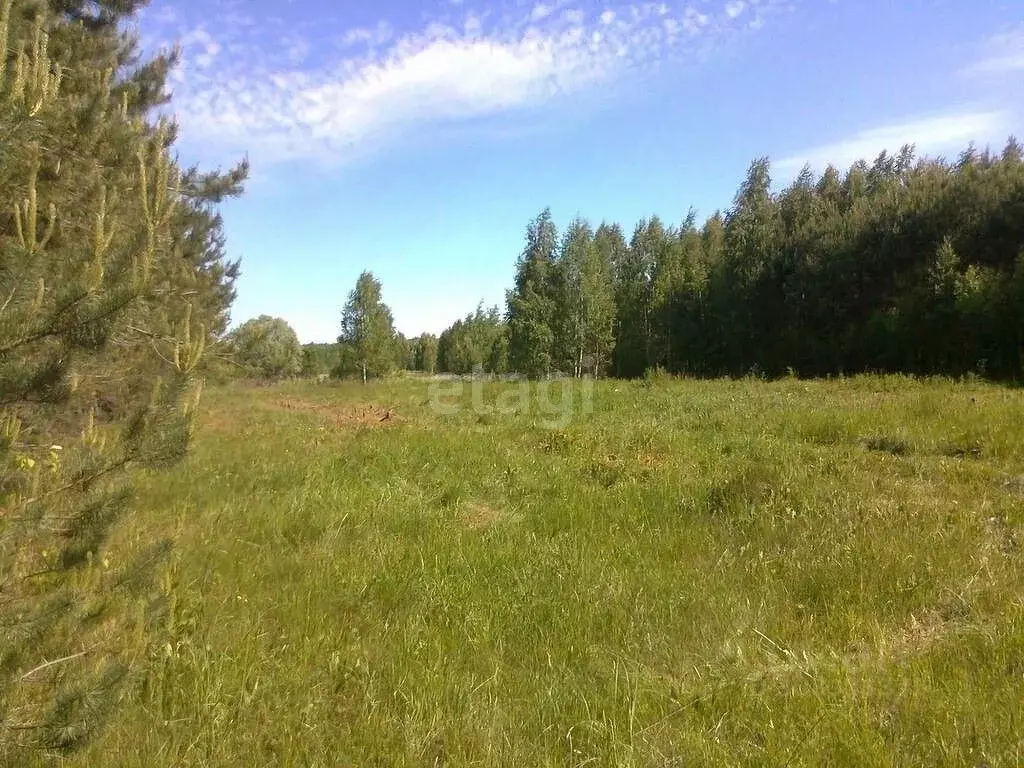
x=532, y=302
x=320, y=359
x=114, y=287
x=404, y=353
x=583, y=291
x=477, y=343
x=268, y=347
x=425, y=353
x=900, y=265
x=370, y=346
x=634, y=274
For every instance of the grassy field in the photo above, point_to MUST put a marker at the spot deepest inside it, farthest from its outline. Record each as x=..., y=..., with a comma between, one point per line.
x=663, y=573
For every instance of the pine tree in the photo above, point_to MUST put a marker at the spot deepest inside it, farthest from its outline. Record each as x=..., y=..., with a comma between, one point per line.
x=92, y=278
x=367, y=329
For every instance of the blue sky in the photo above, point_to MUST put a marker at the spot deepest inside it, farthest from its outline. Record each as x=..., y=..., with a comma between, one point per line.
x=416, y=138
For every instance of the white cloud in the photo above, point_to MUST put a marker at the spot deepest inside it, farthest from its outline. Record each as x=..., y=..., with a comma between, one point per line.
x=540, y=11
x=694, y=21
x=203, y=47
x=734, y=9
x=930, y=135
x=1002, y=53
x=373, y=36
x=333, y=101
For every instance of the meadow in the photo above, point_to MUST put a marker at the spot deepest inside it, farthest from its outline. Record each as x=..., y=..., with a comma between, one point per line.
x=661, y=573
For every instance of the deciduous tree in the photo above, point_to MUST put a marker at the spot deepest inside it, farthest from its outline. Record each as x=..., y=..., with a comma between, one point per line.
x=531, y=303
x=268, y=347
x=426, y=353
x=367, y=330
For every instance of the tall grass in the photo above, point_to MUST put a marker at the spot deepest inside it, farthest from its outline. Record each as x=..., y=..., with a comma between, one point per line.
x=686, y=573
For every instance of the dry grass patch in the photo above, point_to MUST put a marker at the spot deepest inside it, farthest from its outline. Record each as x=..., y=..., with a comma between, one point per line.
x=217, y=423
x=357, y=415
x=479, y=514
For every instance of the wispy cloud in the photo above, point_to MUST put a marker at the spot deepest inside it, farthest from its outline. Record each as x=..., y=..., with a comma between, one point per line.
x=930, y=135
x=1000, y=54
x=733, y=10
x=540, y=12
x=294, y=97
x=372, y=36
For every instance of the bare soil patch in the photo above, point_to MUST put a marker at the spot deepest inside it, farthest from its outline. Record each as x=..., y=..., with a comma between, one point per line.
x=361, y=415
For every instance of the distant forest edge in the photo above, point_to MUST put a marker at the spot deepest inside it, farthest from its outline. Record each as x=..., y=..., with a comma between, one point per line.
x=903, y=265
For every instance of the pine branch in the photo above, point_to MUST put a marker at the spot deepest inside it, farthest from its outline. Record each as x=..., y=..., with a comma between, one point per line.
x=52, y=332
x=83, y=482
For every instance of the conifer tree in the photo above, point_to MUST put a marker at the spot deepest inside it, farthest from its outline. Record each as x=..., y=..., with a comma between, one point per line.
x=750, y=231
x=92, y=277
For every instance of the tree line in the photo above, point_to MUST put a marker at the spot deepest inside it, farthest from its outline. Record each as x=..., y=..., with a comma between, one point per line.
x=901, y=265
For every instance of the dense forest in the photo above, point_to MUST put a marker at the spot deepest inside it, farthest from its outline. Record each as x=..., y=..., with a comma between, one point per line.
x=894, y=266
x=901, y=265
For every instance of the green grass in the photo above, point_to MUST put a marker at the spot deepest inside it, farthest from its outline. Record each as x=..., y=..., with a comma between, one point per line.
x=691, y=573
